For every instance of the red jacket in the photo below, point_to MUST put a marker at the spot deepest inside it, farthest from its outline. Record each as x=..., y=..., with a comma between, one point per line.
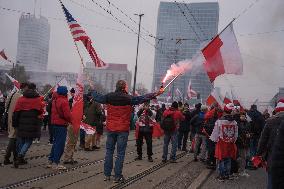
x=177, y=115
x=60, y=110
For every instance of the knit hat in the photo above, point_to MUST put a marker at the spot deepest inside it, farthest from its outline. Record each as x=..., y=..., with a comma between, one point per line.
x=228, y=108
x=280, y=106
x=175, y=105
x=72, y=90
x=62, y=90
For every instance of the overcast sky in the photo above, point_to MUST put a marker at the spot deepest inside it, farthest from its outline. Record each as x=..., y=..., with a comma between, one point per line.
x=262, y=53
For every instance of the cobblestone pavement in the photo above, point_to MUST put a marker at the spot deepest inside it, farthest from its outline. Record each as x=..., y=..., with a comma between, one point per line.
x=87, y=174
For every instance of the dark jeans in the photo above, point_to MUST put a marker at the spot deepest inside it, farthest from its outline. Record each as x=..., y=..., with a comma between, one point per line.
x=182, y=139
x=224, y=167
x=11, y=148
x=121, y=139
x=253, y=147
x=23, y=145
x=82, y=137
x=139, y=142
x=59, y=133
x=167, y=138
x=211, y=160
x=50, y=131
x=45, y=121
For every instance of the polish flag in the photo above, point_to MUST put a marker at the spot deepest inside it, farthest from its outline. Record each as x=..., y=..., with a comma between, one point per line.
x=222, y=55
x=178, y=93
x=14, y=81
x=190, y=92
x=236, y=101
x=227, y=99
x=168, y=96
x=88, y=128
x=77, y=106
x=214, y=98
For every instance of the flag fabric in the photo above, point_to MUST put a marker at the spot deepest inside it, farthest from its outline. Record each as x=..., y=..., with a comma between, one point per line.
x=14, y=81
x=88, y=128
x=222, y=55
x=227, y=99
x=3, y=55
x=236, y=101
x=190, y=92
x=77, y=106
x=168, y=95
x=178, y=93
x=214, y=98
x=80, y=35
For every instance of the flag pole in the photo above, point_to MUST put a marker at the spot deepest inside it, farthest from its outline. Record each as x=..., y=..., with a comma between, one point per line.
x=219, y=33
x=52, y=87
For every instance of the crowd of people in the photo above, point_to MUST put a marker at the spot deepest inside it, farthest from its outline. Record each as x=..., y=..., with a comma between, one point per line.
x=227, y=138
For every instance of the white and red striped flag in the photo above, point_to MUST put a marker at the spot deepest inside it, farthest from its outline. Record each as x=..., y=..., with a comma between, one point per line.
x=14, y=81
x=222, y=55
x=80, y=35
x=214, y=98
x=77, y=106
x=236, y=100
x=190, y=92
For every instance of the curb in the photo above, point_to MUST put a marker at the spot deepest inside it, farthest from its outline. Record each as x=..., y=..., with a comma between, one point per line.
x=200, y=180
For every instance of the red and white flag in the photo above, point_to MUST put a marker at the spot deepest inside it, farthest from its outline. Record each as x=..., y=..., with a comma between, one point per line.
x=14, y=81
x=77, y=106
x=236, y=100
x=214, y=98
x=3, y=55
x=227, y=98
x=222, y=55
x=178, y=93
x=190, y=92
x=88, y=128
x=80, y=35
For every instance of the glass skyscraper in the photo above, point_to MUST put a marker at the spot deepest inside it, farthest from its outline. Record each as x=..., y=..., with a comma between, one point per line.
x=33, y=42
x=182, y=30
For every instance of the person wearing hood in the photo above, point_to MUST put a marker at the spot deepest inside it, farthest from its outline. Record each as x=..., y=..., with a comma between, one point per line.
x=171, y=119
x=27, y=120
x=60, y=118
x=197, y=123
x=225, y=134
x=10, y=106
x=267, y=138
x=184, y=129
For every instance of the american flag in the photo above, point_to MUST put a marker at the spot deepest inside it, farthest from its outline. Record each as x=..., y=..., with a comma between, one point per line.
x=80, y=35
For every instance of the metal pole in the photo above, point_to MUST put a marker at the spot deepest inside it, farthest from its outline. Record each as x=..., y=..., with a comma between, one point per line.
x=135, y=72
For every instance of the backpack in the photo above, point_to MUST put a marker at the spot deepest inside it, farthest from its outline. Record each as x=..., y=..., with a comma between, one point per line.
x=168, y=123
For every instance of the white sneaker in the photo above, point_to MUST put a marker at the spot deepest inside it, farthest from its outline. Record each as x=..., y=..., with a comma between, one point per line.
x=59, y=167
x=244, y=174
x=37, y=141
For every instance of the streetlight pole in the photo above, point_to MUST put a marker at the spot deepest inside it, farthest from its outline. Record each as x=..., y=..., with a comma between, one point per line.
x=135, y=72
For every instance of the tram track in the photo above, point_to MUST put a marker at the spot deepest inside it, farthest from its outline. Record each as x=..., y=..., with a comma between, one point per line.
x=52, y=174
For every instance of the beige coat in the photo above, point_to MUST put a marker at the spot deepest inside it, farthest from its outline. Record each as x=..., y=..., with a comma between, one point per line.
x=11, y=129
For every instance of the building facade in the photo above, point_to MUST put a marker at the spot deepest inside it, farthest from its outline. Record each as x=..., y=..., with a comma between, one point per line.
x=33, y=42
x=108, y=76
x=182, y=30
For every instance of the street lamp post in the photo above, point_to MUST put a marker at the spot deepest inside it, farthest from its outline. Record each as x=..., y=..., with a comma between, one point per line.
x=135, y=72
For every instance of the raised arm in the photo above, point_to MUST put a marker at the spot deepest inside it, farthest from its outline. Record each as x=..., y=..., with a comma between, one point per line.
x=99, y=97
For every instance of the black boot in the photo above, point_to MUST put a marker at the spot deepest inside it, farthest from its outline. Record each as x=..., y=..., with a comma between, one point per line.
x=22, y=160
x=7, y=162
x=16, y=162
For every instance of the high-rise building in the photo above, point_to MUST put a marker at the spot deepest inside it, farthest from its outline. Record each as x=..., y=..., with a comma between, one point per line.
x=182, y=30
x=108, y=76
x=33, y=42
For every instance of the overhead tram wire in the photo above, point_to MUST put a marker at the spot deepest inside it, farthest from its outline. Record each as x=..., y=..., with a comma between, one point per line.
x=63, y=20
x=122, y=12
x=197, y=36
x=121, y=22
x=195, y=20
